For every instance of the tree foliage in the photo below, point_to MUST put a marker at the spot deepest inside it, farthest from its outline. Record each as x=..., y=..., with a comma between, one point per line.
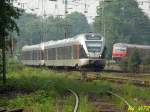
x=124, y=21
x=132, y=62
x=34, y=29
x=146, y=60
x=78, y=23
x=8, y=15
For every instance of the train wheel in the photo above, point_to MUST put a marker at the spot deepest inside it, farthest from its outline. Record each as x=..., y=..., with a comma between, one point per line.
x=97, y=69
x=77, y=67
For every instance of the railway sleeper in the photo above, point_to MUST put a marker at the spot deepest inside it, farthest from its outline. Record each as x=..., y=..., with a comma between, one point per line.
x=11, y=110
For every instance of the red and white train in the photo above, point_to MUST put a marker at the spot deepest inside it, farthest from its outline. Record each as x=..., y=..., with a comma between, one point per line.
x=121, y=50
x=84, y=50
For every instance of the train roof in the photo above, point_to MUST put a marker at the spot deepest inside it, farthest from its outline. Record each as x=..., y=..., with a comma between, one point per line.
x=33, y=47
x=69, y=41
x=132, y=45
x=62, y=42
x=58, y=43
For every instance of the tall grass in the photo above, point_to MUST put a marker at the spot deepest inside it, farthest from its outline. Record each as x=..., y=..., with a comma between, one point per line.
x=31, y=79
x=135, y=96
x=42, y=90
x=39, y=89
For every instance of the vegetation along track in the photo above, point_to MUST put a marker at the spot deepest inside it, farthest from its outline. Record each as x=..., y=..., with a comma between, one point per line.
x=12, y=110
x=102, y=106
x=119, y=80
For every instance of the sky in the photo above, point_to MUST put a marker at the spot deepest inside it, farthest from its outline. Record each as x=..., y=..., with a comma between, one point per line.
x=47, y=7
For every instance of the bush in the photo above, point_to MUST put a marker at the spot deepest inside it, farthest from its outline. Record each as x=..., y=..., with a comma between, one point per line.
x=146, y=60
x=132, y=62
x=14, y=65
x=124, y=64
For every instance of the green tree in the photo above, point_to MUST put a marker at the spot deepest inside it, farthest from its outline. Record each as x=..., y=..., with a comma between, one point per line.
x=8, y=14
x=125, y=22
x=146, y=60
x=124, y=64
x=134, y=61
x=34, y=28
x=78, y=23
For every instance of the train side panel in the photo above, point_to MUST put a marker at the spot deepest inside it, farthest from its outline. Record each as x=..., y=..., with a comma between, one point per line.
x=66, y=56
x=143, y=50
x=83, y=50
x=33, y=55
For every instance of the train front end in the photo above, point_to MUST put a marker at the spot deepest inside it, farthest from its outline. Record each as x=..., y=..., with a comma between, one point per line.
x=95, y=48
x=119, y=52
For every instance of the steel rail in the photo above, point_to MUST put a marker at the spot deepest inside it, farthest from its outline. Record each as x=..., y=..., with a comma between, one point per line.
x=121, y=98
x=77, y=100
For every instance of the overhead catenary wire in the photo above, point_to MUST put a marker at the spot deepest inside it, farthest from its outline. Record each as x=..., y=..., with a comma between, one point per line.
x=43, y=17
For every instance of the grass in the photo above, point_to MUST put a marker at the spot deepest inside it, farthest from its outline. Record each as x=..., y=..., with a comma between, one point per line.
x=138, y=76
x=42, y=90
x=39, y=89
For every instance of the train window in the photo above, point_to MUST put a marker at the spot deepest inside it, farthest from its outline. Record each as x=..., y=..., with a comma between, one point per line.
x=52, y=54
x=68, y=52
x=94, y=49
x=119, y=49
x=27, y=55
x=59, y=53
x=82, y=52
x=40, y=54
x=64, y=52
x=75, y=51
x=49, y=54
x=94, y=46
x=33, y=55
x=45, y=54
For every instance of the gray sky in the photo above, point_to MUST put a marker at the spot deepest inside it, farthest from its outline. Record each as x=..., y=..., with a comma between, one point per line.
x=57, y=8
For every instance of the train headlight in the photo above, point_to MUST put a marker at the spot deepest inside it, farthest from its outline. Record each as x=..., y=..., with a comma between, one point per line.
x=100, y=56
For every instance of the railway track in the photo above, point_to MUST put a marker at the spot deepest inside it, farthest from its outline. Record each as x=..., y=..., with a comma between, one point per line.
x=132, y=81
x=105, y=106
x=101, y=105
x=118, y=80
x=77, y=100
x=12, y=110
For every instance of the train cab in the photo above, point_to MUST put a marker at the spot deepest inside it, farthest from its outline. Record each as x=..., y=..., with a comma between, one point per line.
x=119, y=51
x=95, y=45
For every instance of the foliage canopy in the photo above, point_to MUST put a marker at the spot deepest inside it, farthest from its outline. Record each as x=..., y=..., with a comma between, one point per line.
x=34, y=29
x=124, y=22
x=8, y=16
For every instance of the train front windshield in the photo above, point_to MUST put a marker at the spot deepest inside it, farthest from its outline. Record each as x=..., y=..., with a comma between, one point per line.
x=120, y=49
x=94, y=46
x=93, y=43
